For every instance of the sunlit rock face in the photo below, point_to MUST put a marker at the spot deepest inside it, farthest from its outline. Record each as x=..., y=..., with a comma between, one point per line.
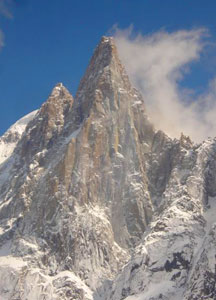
x=96, y=204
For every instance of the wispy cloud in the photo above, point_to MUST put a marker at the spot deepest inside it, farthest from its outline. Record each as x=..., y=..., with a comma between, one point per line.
x=1, y=39
x=156, y=63
x=5, y=8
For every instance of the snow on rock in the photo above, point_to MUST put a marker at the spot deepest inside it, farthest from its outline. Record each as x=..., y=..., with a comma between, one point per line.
x=19, y=282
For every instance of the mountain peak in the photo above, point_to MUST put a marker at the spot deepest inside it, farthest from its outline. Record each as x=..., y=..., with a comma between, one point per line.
x=185, y=141
x=59, y=90
x=104, y=57
x=48, y=123
x=107, y=49
x=107, y=40
x=104, y=77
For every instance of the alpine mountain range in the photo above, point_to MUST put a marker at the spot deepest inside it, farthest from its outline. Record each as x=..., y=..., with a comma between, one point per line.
x=97, y=204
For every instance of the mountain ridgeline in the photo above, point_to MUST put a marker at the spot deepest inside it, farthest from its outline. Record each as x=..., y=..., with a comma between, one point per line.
x=96, y=204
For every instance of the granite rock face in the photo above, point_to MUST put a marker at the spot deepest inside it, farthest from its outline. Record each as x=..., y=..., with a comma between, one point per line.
x=97, y=204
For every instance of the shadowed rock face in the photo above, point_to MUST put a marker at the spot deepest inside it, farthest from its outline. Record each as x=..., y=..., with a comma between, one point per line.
x=91, y=185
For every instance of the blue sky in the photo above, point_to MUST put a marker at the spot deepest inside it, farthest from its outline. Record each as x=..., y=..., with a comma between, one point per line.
x=51, y=41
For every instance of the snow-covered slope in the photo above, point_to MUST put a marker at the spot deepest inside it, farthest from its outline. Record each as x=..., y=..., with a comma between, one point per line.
x=176, y=258
x=11, y=137
x=96, y=204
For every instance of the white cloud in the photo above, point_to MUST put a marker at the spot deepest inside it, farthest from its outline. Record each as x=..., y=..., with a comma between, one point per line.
x=156, y=63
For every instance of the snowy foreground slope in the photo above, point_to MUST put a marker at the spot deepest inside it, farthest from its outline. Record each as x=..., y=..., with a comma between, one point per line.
x=96, y=204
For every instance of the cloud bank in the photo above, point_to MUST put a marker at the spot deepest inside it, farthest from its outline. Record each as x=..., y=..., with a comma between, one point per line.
x=156, y=64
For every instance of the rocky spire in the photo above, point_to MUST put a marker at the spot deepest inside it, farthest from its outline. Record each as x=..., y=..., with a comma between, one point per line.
x=185, y=141
x=110, y=114
x=104, y=60
x=48, y=123
x=104, y=78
